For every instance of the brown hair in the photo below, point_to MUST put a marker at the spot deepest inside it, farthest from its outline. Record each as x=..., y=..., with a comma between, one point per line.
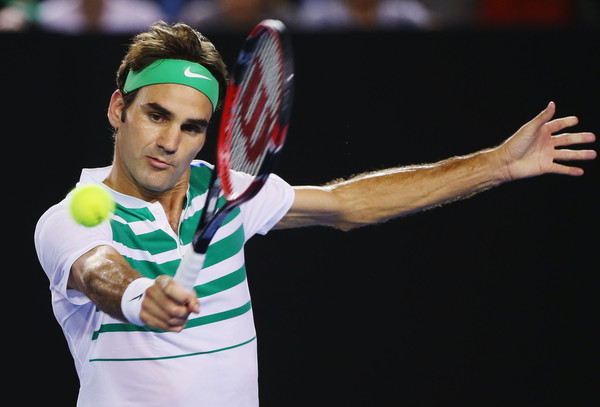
x=177, y=41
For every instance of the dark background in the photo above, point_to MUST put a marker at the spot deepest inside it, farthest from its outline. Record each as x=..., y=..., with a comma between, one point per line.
x=490, y=301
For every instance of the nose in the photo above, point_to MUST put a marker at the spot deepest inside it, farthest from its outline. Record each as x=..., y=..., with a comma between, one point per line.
x=169, y=139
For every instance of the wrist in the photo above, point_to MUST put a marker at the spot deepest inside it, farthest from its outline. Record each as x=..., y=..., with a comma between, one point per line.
x=497, y=167
x=132, y=299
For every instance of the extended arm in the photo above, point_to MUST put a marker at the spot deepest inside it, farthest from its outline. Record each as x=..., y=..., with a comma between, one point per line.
x=379, y=196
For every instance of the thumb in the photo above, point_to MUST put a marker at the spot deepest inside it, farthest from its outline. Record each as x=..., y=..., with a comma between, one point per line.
x=173, y=290
x=180, y=294
x=544, y=116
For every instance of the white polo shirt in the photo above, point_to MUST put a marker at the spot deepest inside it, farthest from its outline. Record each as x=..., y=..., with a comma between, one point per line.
x=212, y=362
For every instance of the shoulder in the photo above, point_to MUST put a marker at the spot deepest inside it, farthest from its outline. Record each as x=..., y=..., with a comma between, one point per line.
x=60, y=241
x=57, y=225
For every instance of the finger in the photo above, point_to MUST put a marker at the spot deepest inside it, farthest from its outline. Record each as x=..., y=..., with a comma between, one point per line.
x=561, y=123
x=173, y=290
x=179, y=294
x=157, y=317
x=566, y=170
x=194, y=305
x=544, y=116
x=164, y=307
x=568, y=139
x=162, y=311
x=571, y=155
x=161, y=306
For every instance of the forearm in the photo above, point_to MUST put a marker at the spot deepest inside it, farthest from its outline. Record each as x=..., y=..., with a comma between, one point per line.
x=379, y=196
x=103, y=275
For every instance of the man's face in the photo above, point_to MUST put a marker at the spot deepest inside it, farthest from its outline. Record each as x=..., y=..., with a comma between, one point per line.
x=164, y=128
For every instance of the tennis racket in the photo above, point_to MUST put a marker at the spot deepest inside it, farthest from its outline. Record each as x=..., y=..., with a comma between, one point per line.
x=252, y=132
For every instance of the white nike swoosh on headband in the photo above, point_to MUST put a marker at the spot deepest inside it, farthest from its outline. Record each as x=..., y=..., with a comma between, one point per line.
x=194, y=75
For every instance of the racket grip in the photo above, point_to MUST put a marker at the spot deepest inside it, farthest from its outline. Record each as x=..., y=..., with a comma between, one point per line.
x=188, y=269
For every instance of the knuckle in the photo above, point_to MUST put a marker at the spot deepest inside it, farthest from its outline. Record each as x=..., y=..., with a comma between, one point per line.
x=175, y=311
x=151, y=294
x=172, y=310
x=176, y=322
x=164, y=281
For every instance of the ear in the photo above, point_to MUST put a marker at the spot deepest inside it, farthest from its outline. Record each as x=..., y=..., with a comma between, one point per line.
x=115, y=108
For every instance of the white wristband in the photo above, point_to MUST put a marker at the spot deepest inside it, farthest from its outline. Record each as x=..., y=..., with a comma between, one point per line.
x=131, y=302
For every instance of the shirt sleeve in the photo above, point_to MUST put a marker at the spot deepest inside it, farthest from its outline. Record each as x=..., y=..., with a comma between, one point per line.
x=267, y=208
x=60, y=241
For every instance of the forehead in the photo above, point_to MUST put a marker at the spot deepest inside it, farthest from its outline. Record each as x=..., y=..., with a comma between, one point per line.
x=180, y=100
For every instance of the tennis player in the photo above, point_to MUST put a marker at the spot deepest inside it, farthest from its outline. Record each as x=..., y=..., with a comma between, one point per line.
x=185, y=349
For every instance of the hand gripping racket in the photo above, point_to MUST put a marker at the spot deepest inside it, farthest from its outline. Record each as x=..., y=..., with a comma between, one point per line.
x=253, y=127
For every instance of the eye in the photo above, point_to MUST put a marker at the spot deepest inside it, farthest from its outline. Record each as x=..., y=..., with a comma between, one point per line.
x=156, y=117
x=192, y=129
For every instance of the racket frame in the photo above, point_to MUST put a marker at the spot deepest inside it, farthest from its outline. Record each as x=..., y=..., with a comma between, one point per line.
x=212, y=217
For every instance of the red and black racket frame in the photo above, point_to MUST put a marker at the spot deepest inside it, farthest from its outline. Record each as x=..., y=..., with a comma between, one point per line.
x=277, y=137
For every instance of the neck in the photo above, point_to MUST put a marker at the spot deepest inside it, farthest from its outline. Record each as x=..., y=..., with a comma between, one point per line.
x=171, y=199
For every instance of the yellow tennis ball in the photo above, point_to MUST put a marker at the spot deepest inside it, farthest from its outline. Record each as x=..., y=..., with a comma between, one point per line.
x=91, y=204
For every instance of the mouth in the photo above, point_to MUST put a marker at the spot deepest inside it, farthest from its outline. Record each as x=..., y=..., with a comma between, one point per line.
x=156, y=163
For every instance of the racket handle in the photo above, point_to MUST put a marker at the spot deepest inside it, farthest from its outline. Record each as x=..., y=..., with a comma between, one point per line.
x=188, y=269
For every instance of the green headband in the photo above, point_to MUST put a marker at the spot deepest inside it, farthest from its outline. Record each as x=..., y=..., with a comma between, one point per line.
x=175, y=71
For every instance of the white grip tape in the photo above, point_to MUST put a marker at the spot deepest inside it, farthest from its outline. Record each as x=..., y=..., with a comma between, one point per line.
x=131, y=302
x=188, y=269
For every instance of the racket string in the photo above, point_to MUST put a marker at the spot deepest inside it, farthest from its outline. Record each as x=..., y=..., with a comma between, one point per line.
x=259, y=100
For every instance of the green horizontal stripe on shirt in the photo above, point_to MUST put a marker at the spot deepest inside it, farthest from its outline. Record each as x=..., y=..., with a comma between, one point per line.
x=217, y=252
x=175, y=356
x=155, y=242
x=225, y=248
x=152, y=270
x=199, y=179
x=134, y=214
x=205, y=320
x=189, y=226
x=221, y=284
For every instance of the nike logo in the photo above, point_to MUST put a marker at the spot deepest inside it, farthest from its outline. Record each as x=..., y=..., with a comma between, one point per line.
x=190, y=74
x=136, y=298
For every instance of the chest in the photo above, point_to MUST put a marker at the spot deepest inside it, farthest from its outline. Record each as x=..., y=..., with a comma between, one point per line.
x=154, y=243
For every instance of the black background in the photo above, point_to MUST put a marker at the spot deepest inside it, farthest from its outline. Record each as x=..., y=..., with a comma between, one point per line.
x=488, y=301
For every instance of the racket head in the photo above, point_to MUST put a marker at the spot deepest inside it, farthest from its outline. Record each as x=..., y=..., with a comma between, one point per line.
x=257, y=108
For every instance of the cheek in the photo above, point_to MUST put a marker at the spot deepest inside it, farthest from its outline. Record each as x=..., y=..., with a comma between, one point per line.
x=194, y=145
x=136, y=136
